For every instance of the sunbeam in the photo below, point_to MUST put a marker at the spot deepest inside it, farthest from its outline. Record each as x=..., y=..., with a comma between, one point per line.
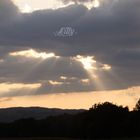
x=39, y=58
x=93, y=68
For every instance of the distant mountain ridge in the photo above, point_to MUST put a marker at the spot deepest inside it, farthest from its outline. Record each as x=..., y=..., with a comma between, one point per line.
x=15, y=113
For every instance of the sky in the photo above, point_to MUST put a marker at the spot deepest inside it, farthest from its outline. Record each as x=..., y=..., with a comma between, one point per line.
x=69, y=53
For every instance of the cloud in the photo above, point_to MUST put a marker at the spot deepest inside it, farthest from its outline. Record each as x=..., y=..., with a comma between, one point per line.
x=8, y=11
x=33, y=54
x=89, y=4
x=17, y=89
x=67, y=1
x=54, y=74
x=110, y=33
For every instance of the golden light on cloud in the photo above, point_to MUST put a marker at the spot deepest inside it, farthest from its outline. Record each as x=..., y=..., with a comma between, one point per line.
x=106, y=67
x=85, y=81
x=87, y=61
x=63, y=77
x=33, y=54
x=7, y=87
x=55, y=82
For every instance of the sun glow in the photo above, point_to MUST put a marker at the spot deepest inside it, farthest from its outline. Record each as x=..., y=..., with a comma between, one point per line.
x=87, y=61
x=91, y=4
x=26, y=9
x=96, y=4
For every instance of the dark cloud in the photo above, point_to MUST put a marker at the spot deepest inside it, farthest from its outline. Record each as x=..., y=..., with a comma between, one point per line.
x=111, y=33
x=8, y=11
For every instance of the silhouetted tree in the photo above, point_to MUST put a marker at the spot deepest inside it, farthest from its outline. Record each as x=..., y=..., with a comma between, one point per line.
x=137, y=107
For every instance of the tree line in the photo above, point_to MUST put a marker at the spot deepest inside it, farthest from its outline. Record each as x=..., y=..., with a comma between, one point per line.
x=103, y=120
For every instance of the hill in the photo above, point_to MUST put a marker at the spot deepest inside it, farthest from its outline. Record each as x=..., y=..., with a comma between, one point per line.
x=12, y=114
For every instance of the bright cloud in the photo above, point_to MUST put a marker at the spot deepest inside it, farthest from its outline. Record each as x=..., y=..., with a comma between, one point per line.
x=26, y=9
x=63, y=77
x=87, y=61
x=91, y=4
x=106, y=67
x=34, y=54
x=27, y=6
x=85, y=81
x=55, y=82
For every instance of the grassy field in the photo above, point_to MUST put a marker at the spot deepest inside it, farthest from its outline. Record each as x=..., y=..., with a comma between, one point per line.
x=65, y=139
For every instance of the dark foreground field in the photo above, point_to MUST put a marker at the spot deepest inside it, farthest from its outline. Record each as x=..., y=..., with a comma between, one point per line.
x=66, y=139
x=37, y=139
